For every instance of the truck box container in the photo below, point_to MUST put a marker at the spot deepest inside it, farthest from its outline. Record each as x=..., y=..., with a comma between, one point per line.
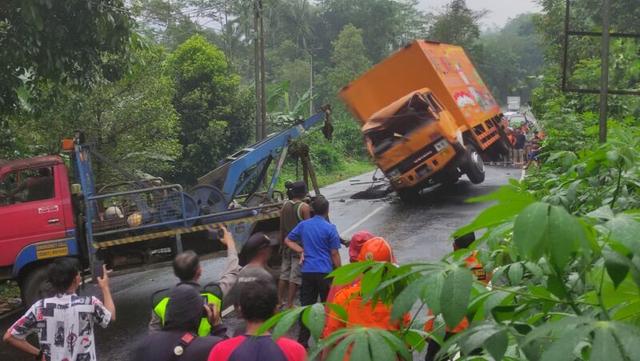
x=447, y=71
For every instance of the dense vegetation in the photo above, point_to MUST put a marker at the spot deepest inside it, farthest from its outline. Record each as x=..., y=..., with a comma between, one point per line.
x=166, y=87
x=562, y=244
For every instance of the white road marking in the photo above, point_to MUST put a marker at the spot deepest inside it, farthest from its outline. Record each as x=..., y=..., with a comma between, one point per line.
x=360, y=222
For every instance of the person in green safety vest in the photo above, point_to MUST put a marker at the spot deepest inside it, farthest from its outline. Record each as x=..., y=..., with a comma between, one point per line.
x=186, y=267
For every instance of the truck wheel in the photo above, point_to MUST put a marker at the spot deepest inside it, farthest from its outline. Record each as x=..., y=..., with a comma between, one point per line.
x=409, y=195
x=475, y=166
x=35, y=285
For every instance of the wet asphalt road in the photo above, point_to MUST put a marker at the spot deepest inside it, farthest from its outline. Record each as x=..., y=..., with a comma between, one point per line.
x=416, y=232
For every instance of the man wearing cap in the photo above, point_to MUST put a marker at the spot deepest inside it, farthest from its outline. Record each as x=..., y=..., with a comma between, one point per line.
x=293, y=212
x=257, y=301
x=255, y=254
x=178, y=339
x=319, y=253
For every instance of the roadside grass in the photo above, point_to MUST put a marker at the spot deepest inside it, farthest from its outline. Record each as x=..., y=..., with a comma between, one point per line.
x=9, y=296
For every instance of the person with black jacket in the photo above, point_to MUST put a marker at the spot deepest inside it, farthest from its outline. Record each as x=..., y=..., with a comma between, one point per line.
x=178, y=339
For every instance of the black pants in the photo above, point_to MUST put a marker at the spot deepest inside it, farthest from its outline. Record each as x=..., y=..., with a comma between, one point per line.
x=313, y=285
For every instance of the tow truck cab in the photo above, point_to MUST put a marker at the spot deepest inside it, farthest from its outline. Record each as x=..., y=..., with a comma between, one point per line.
x=38, y=221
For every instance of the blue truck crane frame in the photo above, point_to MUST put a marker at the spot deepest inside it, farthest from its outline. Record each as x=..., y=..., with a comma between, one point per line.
x=140, y=216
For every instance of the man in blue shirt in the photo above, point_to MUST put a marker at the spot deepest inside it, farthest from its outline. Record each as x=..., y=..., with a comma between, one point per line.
x=317, y=241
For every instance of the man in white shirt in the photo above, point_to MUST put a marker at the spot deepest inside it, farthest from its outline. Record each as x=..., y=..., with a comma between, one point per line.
x=64, y=323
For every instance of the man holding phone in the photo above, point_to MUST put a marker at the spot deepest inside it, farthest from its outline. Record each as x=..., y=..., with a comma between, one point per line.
x=71, y=316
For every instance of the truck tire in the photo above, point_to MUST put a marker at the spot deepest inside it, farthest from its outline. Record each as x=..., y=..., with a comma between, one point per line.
x=409, y=195
x=35, y=285
x=474, y=167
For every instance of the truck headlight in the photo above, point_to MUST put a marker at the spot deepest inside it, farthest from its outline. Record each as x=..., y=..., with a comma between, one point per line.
x=393, y=174
x=441, y=145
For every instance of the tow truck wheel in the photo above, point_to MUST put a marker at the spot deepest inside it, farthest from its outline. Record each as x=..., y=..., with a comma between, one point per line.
x=35, y=285
x=474, y=165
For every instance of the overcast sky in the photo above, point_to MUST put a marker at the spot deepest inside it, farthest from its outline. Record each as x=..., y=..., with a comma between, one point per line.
x=499, y=10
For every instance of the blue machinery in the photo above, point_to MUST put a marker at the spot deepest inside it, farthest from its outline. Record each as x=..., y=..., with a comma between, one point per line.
x=227, y=194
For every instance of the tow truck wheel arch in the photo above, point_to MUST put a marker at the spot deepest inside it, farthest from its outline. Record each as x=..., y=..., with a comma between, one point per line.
x=30, y=268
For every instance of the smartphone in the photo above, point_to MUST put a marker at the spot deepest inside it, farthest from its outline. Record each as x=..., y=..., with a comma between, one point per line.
x=205, y=303
x=98, y=270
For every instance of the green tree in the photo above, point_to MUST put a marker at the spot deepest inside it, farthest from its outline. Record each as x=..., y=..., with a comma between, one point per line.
x=131, y=121
x=60, y=41
x=512, y=58
x=349, y=59
x=457, y=24
x=386, y=24
x=215, y=115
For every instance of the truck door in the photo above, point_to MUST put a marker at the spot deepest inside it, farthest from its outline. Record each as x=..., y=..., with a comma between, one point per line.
x=30, y=210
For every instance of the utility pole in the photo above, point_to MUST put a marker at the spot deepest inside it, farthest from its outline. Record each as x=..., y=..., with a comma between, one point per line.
x=604, y=72
x=263, y=95
x=310, y=85
x=256, y=53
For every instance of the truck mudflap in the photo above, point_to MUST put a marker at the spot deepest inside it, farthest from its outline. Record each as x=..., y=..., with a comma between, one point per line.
x=239, y=225
x=43, y=251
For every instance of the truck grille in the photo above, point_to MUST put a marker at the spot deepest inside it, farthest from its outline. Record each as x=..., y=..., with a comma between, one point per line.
x=416, y=158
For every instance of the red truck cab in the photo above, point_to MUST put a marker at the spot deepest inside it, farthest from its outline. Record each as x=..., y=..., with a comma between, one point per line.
x=37, y=215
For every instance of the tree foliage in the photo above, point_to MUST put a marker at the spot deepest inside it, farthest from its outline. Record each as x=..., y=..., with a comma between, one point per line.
x=66, y=42
x=512, y=58
x=214, y=113
x=131, y=121
x=457, y=24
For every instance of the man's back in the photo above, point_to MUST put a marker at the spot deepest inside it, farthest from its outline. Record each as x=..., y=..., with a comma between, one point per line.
x=290, y=216
x=318, y=238
x=160, y=346
x=64, y=325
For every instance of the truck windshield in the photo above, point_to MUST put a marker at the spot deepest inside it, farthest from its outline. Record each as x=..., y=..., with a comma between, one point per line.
x=415, y=114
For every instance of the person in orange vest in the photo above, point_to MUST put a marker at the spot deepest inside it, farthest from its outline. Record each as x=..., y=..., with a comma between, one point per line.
x=480, y=274
x=355, y=245
x=366, y=314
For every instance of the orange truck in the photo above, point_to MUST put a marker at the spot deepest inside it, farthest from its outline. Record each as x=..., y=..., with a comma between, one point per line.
x=427, y=117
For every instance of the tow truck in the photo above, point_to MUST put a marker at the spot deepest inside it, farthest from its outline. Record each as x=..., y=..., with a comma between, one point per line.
x=47, y=212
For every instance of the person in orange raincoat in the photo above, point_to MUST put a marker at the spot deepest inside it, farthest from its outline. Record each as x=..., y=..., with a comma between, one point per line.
x=365, y=314
x=355, y=245
x=481, y=275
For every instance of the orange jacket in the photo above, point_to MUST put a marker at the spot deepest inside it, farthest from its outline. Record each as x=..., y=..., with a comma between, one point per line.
x=360, y=314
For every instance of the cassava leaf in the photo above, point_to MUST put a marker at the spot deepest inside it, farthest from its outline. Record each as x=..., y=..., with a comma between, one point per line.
x=529, y=231
x=605, y=347
x=433, y=292
x=497, y=344
x=314, y=318
x=360, y=350
x=617, y=266
x=286, y=322
x=405, y=300
x=455, y=295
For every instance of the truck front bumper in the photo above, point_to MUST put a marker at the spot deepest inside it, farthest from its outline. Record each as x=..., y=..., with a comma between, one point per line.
x=422, y=165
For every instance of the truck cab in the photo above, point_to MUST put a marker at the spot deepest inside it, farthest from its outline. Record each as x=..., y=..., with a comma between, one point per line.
x=410, y=139
x=37, y=216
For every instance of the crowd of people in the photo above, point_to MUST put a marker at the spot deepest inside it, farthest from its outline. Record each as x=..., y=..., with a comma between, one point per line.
x=525, y=145
x=185, y=320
